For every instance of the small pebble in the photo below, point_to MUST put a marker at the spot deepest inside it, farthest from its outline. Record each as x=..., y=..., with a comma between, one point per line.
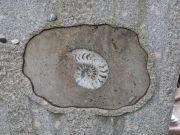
x=15, y=41
x=52, y=17
x=2, y=38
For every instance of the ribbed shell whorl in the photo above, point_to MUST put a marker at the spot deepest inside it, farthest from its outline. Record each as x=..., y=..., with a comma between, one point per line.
x=92, y=69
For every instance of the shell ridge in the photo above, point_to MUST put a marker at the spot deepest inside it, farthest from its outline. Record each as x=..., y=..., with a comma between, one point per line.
x=92, y=69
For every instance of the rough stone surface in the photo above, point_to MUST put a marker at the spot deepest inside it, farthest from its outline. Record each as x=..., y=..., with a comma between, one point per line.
x=157, y=25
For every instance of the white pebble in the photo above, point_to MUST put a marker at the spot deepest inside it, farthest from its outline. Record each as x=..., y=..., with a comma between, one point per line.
x=52, y=17
x=15, y=41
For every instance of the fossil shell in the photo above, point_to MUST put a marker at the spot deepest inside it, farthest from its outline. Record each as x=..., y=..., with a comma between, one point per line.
x=92, y=69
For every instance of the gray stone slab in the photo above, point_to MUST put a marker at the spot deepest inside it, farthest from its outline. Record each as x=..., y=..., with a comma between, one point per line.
x=157, y=24
x=120, y=82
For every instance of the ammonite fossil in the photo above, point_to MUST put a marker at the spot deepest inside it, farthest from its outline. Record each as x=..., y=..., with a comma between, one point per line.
x=92, y=69
x=80, y=67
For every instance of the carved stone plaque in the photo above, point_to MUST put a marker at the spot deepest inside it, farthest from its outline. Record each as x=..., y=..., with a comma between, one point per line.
x=87, y=66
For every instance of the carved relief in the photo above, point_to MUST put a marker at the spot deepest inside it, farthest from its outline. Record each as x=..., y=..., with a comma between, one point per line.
x=87, y=67
x=92, y=69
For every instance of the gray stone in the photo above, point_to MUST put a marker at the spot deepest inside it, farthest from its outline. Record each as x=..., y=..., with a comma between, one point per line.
x=4, y=126
x=52, y=17
x=156, y=23
x=51, y=68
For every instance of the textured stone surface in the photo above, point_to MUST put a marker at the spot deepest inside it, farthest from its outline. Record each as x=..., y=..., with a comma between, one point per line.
x=157, y=25
x=4, y=125
x=50, y=66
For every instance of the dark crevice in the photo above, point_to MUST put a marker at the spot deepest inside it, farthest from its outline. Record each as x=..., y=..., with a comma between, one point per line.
x=178, y=83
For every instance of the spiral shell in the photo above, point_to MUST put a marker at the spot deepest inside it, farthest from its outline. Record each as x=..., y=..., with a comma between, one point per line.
x=92, y=69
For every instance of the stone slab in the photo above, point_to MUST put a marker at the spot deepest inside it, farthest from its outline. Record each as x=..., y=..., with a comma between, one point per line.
x=157, y=25
x=51, y=68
